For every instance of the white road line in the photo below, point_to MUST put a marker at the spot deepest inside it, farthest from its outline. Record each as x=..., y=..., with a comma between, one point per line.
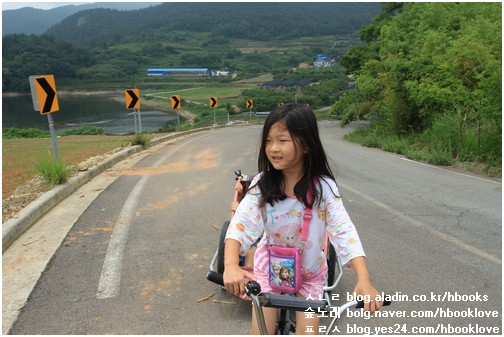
x=440, y=235
x=450, y=171
x=110, y=278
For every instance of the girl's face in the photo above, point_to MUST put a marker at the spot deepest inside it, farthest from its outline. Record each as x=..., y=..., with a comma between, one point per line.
x=285, y=274
x=284, y=152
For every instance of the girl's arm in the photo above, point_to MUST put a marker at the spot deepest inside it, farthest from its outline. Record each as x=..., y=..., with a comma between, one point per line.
x=364, y=286
x=234, y=276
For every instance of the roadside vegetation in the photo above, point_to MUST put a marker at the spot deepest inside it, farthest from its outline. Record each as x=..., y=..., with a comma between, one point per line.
x=429, y=81
x=53, y=171
x=140, y=139
x=21, y=156
x=11, y=133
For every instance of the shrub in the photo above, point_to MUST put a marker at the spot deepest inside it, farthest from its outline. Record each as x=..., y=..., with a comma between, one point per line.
x=53, y=171
x=394, y=144
x=11, y=133
x=140, y=139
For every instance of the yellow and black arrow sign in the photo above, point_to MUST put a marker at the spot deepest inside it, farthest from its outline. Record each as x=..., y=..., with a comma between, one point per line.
x=250, y=104
x=132, y=99
x=175, y=102
x=214, y=102
x=46, y=94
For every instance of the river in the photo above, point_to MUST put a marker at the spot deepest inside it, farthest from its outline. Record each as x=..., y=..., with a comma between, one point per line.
x=80, y=110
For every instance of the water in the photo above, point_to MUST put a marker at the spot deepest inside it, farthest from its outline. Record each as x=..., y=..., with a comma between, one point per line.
x=77, y=111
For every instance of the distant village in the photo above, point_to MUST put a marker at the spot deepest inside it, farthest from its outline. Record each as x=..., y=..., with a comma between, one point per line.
x=320, y=61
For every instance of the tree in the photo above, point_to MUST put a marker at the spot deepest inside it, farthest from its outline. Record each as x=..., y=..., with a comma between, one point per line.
x=437, y=73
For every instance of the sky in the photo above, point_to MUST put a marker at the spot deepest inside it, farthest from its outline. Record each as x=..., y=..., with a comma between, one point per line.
x=6, y=5
x=49, y=5
x=36, y=4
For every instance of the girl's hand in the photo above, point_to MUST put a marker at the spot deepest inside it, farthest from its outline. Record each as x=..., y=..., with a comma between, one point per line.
x=365, y=291
x=234, y=279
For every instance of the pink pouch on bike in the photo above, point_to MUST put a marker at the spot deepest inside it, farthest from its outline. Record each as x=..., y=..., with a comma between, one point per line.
x=285, y=262
x=285, y=269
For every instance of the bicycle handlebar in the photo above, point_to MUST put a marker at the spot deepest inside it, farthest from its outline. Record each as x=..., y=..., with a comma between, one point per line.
x=270, y=300
x=280, y=301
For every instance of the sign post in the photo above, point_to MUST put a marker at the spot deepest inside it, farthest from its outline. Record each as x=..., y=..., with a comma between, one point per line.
x=214, y=103
x=250, y=105
x=43, y=89
x=133, y=102
x=175, y=102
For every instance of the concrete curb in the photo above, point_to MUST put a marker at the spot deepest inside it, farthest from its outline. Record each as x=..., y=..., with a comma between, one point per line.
x=14, y=228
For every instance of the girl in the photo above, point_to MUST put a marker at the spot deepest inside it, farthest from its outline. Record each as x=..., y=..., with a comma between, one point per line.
x=291, y=162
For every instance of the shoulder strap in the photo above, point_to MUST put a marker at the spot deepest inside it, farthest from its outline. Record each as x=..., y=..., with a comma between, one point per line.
x=307, y=216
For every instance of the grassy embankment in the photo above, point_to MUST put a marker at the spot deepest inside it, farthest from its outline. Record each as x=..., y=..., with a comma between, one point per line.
x=20, y=156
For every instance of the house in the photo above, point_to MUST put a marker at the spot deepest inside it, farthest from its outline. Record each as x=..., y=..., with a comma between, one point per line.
x=220, y=73
x=322, y=63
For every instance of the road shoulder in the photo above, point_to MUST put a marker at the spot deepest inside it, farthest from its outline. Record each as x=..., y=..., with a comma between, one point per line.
x=26, y=259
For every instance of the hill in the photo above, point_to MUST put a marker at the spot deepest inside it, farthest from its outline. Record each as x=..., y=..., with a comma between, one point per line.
x=29, y=20
x=255, y=21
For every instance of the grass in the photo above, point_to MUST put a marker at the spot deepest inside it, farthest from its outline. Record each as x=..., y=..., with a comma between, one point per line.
x=140, y=139
x=53, y=171
x=20, y=156
x=420, y=149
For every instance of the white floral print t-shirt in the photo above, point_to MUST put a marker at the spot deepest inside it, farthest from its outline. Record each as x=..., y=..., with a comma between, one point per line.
x=284, y=222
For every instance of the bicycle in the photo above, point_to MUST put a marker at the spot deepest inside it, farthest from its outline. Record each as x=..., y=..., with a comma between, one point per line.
x=286, y=304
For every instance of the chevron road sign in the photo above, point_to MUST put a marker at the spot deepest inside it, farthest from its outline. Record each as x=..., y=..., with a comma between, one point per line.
x=175, y=102
x=214, y=102
x=132, y=98
x=45, y=89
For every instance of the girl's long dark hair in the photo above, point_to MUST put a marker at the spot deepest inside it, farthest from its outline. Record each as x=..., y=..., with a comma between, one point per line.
x=302, y=125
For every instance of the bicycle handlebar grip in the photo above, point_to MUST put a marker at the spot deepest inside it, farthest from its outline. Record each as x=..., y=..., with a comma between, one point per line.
x=252, y=286
x=215, y=278
x=360, y=304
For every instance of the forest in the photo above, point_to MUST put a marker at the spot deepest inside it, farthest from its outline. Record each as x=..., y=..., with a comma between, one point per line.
x=252, y=21
x=429, y=78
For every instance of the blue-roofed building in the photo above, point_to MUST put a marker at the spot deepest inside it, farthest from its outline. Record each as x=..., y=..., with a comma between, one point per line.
x=179, y=72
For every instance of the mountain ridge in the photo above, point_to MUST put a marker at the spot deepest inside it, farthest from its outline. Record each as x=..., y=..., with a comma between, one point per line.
x=28, y=20
x=257, y=21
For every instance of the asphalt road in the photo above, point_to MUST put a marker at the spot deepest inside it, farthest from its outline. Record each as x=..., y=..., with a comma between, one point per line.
x=135, y=261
